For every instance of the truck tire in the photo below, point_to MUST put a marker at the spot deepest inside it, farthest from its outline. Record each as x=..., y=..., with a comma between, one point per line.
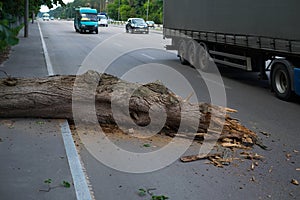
x=192, y=53
x=281, y=82
x=182, y=49
x=203, y=57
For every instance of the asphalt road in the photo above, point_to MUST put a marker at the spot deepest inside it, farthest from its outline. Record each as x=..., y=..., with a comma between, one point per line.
x=142, y=58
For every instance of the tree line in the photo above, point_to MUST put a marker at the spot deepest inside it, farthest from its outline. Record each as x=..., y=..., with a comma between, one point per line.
x=119, y=10
x=11, y=15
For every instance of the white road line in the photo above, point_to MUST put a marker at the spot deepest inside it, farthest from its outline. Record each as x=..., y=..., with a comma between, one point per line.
x=147, y=56
x=81, y=187
x=80, y=183
x=47, y=58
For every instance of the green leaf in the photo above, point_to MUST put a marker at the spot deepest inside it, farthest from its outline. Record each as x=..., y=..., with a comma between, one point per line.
x=40, y=122
x=48, y=181
x=147, y=145
x=142, y=192
x=66, y=184
x=12, y=41
x=161, y=197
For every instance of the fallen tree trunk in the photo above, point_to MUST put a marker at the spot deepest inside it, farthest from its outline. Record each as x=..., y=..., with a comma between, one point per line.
x=59, y=96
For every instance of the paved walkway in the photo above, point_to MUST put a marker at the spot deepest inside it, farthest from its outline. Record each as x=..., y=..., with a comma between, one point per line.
x=34, y=150
x=26, y=59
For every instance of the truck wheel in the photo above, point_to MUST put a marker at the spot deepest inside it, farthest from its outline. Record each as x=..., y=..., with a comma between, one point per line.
x=203, y=57
x=281, y=82
x=182, y=48
x=192, y=53
x=96, y=31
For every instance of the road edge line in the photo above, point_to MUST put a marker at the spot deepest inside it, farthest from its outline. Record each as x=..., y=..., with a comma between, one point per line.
x=79, y=180
x=46, y=54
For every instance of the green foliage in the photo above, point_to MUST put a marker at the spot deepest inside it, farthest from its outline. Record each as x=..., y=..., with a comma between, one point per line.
x=143, y=192
x=161, y=197
x=8, y=36
x=48, y=181
x=116, y=11
x=66, y=184
x=147, y=145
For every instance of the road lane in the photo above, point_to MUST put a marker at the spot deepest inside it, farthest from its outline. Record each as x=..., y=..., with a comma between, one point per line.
x=258, y=110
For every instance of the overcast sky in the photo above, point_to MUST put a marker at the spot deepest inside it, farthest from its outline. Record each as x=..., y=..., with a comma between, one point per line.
x=46, y=9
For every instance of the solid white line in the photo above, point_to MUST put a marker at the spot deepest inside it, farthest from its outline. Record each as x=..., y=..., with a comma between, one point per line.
x=80, y=183
x=47, y=58
x=147, y=56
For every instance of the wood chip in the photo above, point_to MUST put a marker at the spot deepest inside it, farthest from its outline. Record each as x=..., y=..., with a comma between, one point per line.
x=265, y=133
x=295, y=182
x=253, y=179
x=297, y=169
x=271, y=169
x=197, y=157
x=252, y=166
x=250, y=156
x=229, y=145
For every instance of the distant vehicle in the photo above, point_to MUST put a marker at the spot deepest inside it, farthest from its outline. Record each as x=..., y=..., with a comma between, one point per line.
x=102, y=20
x=52, y=18
x=86, y=20
x=135, y=25
x=150, y=24
x=46, y=17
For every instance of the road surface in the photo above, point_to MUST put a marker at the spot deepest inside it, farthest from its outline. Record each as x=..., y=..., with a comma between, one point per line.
x=142, y=58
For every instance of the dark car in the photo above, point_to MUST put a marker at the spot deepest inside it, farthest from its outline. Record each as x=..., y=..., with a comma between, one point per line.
x=136, y=25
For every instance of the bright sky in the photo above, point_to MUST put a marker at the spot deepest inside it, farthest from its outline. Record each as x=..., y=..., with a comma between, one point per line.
x=46, y=9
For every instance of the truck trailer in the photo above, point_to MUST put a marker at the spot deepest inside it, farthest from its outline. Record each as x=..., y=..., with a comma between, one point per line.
x=241, y=34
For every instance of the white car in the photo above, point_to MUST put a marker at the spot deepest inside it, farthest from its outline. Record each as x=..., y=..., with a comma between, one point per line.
x=102, y=20
x=46, y=17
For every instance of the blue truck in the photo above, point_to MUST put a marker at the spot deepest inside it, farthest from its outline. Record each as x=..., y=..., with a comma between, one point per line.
x=86, y=20
x=241, y=34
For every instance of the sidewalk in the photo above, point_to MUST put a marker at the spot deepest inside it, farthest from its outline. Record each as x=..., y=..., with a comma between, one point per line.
x=26, y=59
x=34, y=150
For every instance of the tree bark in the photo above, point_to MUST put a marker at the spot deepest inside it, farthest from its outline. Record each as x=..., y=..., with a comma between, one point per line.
x=59, y=96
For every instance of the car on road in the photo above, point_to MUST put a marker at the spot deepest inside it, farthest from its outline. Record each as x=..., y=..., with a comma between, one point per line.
x=86, y=20
x=136, y=25
x=102, y=20
x=150, y=24
x=46, y=17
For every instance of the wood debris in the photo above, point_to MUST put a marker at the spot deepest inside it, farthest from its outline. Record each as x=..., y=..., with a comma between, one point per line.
x=295, y=182
x=251, y=156
x=197, y=157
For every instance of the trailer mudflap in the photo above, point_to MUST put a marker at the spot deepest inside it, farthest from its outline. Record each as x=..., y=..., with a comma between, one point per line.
x=297, y=80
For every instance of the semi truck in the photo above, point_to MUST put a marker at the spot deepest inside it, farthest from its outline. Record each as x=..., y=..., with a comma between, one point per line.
x=241, y=34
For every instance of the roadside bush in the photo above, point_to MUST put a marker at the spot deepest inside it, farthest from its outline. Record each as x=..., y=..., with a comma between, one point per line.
x=8, y=36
